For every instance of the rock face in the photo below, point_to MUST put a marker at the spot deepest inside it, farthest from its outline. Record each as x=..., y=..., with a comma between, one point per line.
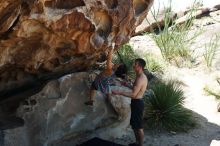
x=42, y=40
x=63, y=119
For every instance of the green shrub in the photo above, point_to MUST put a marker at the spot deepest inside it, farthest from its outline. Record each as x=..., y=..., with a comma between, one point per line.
x=173, y=39
x=164, y=110
x=126, y=55
x=152, y=64
x=211, y=50
x=210, y=91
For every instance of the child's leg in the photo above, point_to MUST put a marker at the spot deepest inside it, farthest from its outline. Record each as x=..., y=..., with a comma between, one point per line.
x=92, y=93
x=108, y=96
x=108, y=92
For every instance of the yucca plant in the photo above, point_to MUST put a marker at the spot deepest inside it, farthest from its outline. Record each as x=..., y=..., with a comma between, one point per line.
x=164, y=109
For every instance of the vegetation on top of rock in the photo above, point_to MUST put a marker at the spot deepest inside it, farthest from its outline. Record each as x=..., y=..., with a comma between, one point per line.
x=173, y=37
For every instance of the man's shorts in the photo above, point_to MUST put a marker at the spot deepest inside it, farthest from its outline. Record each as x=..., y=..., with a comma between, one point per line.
x=137, y=111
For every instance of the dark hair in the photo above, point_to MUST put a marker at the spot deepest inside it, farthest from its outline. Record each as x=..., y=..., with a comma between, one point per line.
x=141, y=62
x=121, y=71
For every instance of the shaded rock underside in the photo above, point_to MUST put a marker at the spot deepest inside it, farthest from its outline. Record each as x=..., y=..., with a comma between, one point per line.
x=42, y=40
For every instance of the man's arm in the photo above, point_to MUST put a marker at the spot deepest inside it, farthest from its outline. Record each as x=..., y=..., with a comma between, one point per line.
x=133, y=94
x=127, y=84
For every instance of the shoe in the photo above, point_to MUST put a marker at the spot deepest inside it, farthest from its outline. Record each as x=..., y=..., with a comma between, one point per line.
x=133, y=144
x=89, y=103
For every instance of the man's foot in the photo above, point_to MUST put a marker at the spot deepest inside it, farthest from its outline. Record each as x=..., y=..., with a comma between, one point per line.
x=133, y=144
x=90, y=103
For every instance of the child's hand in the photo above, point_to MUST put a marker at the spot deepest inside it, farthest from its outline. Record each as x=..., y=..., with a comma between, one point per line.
x=123, y=83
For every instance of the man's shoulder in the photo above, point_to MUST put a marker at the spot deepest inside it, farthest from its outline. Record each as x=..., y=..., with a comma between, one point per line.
x=144, y=77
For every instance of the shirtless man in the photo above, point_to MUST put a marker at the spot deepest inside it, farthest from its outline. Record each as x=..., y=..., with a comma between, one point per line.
x=137, y=103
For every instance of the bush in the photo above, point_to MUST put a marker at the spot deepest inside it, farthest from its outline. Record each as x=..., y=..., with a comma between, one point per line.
x=126, y=55
x=212, y=92
x=174, y=39
x=211, y=50
x=152, y=64
x=164, y=109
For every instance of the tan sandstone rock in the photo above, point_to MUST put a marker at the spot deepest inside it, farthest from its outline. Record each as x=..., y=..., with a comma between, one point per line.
x=42, y=40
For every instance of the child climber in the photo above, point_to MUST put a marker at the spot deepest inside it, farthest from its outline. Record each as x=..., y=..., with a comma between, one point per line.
x=102, y=81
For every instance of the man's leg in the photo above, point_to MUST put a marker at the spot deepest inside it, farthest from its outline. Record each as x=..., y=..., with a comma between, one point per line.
x=140, y=137
x=108, y=96
x=136, y=121
x=136, y=135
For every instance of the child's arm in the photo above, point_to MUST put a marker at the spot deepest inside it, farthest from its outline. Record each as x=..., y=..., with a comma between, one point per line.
x=109, y=64
x=109, y=59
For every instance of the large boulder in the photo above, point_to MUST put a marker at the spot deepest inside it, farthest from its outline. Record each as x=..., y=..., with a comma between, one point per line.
x=61, y=118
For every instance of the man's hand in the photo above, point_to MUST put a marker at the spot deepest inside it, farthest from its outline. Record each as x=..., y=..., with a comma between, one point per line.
x=115, y=92
x=126, y=84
